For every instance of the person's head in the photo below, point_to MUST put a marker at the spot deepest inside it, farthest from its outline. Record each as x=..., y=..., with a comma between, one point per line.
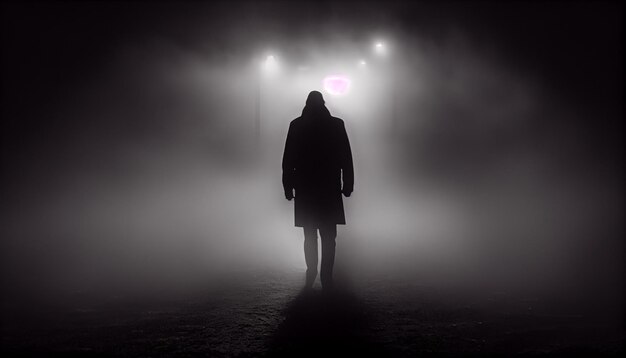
x=315, y=107
x=315, y=99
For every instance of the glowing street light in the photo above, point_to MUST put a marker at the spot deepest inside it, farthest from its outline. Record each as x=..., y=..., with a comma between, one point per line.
x=380, y=48
x=362, y=63
x=268, y=66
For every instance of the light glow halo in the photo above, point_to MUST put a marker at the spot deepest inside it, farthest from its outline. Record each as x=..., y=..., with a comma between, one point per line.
x=336, y=84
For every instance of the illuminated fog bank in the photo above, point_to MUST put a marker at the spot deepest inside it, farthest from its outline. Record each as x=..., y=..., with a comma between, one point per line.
x=454, y=182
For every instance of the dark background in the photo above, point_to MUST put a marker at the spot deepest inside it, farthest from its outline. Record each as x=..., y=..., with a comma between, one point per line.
x=50, y=48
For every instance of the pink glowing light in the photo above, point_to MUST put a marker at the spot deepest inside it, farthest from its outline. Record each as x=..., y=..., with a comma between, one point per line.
x=336, y=85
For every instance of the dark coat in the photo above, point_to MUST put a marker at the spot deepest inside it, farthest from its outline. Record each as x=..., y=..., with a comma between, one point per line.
x=317, y=153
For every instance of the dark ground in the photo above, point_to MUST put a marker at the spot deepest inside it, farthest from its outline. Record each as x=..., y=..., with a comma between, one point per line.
x=270, y=316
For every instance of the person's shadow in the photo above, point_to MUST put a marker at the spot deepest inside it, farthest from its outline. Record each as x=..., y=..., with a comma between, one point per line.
x=318, y=323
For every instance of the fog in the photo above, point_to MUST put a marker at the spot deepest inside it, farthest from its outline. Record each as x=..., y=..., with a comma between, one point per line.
x=471, y=169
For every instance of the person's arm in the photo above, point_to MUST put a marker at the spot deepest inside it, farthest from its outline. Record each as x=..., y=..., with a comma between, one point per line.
x=289, y=164
x=347, y=167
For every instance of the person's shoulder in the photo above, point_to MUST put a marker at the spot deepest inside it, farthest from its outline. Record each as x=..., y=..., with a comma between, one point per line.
x=338, y=121
x=295, y=122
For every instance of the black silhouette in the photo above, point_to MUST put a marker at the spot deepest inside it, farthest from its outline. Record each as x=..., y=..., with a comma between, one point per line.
x=317, y=158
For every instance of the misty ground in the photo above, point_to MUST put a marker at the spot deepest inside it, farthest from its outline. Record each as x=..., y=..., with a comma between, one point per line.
x=424, y=295
x=267, y=313
x=393, y=298
x=423, y=288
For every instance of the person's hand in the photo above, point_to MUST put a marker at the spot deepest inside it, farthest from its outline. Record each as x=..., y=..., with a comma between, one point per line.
x=347, y=193
x=289, y=194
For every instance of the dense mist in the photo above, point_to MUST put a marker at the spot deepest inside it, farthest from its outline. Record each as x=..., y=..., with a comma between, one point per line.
x=131, y=158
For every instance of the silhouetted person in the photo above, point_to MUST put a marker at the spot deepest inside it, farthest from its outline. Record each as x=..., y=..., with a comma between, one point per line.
x=317, y=157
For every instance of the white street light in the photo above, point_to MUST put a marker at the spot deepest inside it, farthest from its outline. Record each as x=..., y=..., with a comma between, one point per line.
x=380, y=48
x=270, y=64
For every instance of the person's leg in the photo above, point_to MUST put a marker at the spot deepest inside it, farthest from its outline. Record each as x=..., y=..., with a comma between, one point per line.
x=310, y=254
x=328, y=234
